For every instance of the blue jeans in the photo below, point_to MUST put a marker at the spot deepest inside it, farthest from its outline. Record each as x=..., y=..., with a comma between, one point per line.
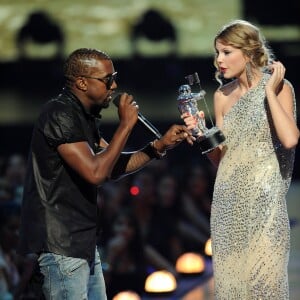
x=68, y=278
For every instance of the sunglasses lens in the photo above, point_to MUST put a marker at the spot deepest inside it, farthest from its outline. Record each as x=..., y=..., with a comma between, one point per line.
x=111, y=80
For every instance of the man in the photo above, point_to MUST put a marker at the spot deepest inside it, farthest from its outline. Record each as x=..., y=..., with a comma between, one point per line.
x=68, y=159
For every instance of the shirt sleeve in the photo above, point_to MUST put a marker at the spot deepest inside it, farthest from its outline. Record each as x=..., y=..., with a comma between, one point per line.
x=62, y=126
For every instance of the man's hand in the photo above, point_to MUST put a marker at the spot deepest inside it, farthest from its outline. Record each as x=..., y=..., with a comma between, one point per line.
x=173, y=137
x=128, y=111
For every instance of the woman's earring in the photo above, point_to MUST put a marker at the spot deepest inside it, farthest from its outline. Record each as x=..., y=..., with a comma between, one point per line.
x=249, y=73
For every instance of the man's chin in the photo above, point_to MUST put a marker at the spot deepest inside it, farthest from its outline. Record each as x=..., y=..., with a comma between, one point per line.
x=106, y=102
x=103, y=104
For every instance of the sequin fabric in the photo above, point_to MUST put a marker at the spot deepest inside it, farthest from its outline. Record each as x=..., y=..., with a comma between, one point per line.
x=249, y=221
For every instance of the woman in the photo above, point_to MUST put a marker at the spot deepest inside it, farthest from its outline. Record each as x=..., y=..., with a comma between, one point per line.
x=257, y=114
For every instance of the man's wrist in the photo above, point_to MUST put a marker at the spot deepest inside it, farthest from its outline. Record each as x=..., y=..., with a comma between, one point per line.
x=152, y=152
x=160, y=153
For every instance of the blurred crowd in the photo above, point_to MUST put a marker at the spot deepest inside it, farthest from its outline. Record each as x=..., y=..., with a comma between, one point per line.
x=147, y=220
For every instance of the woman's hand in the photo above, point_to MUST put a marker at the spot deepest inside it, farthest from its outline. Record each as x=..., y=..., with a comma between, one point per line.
x=191, y=122
x=275, y=82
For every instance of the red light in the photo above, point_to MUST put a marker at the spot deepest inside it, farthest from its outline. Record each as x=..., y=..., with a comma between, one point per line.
x=134, y=190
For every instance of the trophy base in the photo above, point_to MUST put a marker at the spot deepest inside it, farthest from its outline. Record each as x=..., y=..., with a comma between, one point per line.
x=210, y=140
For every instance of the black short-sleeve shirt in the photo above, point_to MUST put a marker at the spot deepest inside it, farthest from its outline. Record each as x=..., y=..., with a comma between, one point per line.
x=59, y=208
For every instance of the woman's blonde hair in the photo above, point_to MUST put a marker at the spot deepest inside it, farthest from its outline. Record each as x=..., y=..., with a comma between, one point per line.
x=247, y=37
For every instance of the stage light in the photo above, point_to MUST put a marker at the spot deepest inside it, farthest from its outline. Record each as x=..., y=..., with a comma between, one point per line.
x=134, y=190
x=160, y=282
x=190, y=263
x=208, y=249
x=127, y=295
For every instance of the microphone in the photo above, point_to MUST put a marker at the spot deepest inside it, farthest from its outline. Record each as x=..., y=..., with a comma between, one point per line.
x=141, y=118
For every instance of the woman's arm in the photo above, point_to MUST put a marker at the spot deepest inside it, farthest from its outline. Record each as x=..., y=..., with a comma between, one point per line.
x=215, y=155
x=280, y=98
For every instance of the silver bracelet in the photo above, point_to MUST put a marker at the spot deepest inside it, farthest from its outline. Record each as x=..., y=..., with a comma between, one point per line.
x=159, y=154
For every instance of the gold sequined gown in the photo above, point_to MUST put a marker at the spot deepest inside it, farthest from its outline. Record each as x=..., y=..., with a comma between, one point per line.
x=249, y=221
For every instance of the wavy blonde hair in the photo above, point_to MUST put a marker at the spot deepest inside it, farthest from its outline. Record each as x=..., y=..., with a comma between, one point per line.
x=247, y=37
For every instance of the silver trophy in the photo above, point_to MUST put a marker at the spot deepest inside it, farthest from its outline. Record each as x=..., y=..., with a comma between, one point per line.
x=208, y=139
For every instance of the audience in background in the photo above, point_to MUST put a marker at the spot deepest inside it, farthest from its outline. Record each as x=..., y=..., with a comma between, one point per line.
x=143, y=229
x=125, y=265
x=195, y=203
x=144, y=205
x=14, y=174
x=165, y=233
x=15, y=271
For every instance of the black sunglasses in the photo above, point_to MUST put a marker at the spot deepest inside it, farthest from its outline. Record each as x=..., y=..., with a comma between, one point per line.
x=107, y=80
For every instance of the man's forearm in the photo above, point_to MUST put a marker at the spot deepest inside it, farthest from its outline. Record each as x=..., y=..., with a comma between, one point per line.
x=137, y=160
x=130, y=162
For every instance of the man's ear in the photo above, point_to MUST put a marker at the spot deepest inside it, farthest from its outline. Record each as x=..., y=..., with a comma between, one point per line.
x=81, y=84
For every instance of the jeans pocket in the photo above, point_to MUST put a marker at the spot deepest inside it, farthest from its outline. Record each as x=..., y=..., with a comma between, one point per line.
x=46, y=259
x=69, y=266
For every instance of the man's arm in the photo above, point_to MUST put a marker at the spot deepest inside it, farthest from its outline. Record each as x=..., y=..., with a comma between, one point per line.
x=97, y=167
x=131, y=162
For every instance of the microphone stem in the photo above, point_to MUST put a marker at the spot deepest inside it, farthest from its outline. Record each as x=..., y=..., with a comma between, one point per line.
x=149, y=126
